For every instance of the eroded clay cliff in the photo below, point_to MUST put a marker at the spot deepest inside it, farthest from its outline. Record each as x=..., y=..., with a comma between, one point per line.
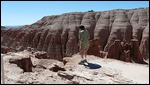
x=58, y=35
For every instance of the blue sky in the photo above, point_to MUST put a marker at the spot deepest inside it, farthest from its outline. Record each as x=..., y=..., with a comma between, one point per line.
x=28, y=12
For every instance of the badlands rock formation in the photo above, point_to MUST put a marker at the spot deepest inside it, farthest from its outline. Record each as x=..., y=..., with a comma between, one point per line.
x=122, y=34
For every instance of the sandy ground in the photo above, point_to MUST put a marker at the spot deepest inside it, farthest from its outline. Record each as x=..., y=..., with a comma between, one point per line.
x=95, y=71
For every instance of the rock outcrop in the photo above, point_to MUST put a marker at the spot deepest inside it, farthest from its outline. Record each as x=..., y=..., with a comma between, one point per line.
x=58, y=35
x=22, y=61
x=94, y=48
x=5, y=49
x=51, y=71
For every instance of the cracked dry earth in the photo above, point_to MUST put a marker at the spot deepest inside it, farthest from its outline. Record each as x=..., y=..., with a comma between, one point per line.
x=96, y=71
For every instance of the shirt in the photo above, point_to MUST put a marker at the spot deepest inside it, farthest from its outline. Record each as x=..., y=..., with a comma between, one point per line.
x=84, y=36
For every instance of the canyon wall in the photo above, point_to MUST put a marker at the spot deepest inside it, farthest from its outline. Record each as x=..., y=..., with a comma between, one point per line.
x=122, y=34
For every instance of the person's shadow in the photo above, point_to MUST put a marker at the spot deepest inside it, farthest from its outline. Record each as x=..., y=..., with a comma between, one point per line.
x=92, y=65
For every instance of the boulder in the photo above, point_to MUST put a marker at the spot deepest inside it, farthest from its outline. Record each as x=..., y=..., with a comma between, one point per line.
x=24, y=63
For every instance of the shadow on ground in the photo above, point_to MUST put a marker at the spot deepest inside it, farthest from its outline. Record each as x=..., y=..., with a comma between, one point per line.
x=92, y=65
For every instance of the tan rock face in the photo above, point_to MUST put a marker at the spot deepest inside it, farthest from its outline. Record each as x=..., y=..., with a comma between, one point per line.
x=115, y=50
x=58, y=35
x=144, y=45
x=94, y=48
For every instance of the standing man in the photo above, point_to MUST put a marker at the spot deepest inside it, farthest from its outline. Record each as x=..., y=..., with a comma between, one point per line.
x=83, y=43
